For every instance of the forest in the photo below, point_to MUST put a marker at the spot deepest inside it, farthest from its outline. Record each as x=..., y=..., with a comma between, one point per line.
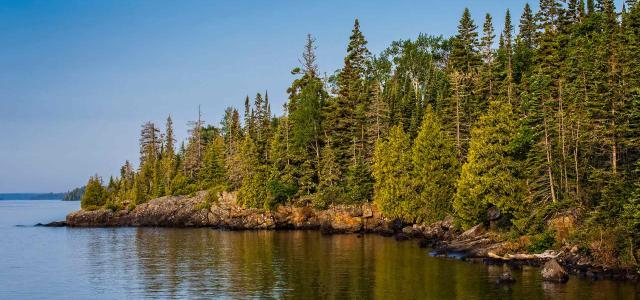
x=538, y=118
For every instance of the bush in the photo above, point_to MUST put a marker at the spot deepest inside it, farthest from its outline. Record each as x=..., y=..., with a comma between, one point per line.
x=212, y=196
x=541, y=242
x=113, y=206
x=280, y=191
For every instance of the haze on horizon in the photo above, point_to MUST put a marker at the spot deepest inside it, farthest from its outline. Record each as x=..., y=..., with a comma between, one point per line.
x=78, y=78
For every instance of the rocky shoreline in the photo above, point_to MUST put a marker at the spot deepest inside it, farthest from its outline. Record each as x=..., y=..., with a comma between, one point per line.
x=475, y=244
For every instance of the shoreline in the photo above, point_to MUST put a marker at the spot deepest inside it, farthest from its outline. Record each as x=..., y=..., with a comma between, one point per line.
x=476, y=244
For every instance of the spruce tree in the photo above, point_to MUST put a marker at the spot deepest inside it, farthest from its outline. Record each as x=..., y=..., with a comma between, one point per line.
x=490, y=177
x=253, y=190
x=434, y=171
x=94, y=195
x=330, y=174
x=391, y=169
x=343, y=116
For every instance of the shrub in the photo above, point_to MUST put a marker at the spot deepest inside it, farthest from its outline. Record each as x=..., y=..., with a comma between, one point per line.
x=542, y=241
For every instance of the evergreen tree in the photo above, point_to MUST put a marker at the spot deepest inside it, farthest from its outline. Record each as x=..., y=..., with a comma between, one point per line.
x=168, y=156
x=490, y=177
x=344, y=115
x=434, y=171
x=213, y=171
x=391, y=170
x=253, y=190
x=528, y=34
x=329, y=187
x=464, y=55
x=95, y=194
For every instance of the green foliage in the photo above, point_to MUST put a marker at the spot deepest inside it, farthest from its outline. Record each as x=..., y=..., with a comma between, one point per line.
x=359, y=184
x=95, y=194
x=541, y=242
x=74, y=195
x=490, y=177
x=434, y=171
x=391, y=165
x=546, y=123
x=212, y=196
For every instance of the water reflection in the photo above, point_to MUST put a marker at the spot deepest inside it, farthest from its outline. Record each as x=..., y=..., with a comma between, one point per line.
x=201, y=263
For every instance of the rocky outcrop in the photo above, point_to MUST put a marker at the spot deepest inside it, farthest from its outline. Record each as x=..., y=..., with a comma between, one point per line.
x=553, y=271
x=183, y=211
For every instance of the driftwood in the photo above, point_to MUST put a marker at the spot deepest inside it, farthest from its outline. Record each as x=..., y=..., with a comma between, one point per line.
x=549, y=254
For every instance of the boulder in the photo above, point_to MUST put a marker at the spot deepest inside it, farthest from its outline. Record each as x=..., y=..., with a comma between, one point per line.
x=493, y=213
x=506, y=277
x=553, y=271
x=473, y=232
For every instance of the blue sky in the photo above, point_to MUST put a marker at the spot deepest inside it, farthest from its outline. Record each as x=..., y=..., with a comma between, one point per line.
x=78, y=78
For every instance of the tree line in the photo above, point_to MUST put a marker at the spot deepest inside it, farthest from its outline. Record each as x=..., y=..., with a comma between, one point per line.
x=546, y=122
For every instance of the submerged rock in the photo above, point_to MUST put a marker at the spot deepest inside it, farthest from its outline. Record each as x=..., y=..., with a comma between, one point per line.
x=506, y=277
x=553, y=271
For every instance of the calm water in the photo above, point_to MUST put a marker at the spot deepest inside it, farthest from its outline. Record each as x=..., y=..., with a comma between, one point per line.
x=119, y=263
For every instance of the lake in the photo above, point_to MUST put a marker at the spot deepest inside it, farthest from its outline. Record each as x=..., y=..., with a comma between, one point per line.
x=120, y=263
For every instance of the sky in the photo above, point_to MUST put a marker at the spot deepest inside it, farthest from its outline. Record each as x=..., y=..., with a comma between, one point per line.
x=79, y=77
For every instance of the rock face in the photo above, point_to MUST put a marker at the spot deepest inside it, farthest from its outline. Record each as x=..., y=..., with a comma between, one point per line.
x=183, y=211
x=552, y=271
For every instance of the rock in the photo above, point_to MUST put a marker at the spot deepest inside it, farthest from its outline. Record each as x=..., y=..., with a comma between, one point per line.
x=506, y=277
x=574, y=250
x=400, y=236
x=553, y=271
x=188, y=211
x=367, y=212
x=52, y=224
x=563, y=224
x=473, y=232
x=493, y=213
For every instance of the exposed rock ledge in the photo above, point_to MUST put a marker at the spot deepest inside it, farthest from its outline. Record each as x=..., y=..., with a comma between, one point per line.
x=183, y=211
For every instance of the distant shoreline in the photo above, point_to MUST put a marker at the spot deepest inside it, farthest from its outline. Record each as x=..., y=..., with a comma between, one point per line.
x=31, y=196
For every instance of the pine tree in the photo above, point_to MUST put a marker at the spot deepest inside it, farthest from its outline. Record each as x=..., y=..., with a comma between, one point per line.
x=95, y=195
x=528, y=34
x=391, y=168
x=487, y=83
x=213, y=170
x=435, y=170
x=253, y=190
x=464, y=55
x=329, y=187
x=195, y=148
x=168, y=157
x=343, y=119
x=464, y=62
x=359, y=183
x=490, y=177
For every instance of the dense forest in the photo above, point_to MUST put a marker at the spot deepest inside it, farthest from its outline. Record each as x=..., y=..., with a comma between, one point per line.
x=537, y=119
x=74, y=195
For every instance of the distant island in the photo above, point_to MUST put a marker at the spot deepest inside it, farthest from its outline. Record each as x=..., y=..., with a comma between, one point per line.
x=32, y=196
x=73, y=195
